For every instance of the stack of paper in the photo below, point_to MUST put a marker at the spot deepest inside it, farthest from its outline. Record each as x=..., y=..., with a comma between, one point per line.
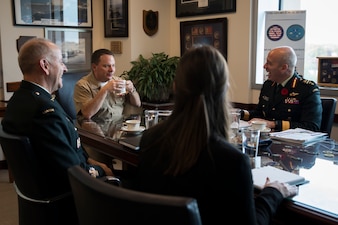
x=164, y=112
x=298, y=135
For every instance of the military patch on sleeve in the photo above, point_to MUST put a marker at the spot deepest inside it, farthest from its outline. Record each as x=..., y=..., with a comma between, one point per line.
x=310, y=82
x=48, y=111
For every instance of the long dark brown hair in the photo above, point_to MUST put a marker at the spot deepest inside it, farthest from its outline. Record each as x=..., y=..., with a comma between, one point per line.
x=201, y=109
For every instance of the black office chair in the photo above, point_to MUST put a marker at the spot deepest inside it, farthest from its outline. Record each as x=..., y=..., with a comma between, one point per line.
x=329, y=109
x=100, y=203
x=34, y=208
x=65, y=94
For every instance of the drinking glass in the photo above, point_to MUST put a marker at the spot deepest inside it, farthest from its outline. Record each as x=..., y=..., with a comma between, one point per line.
x=250, y=143
x=150, y=118
x=235, y=117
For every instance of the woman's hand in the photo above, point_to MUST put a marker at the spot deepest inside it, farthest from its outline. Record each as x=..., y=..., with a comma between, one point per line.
x=285, y=189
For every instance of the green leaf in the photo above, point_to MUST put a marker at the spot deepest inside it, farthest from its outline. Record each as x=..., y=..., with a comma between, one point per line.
x=153, y=77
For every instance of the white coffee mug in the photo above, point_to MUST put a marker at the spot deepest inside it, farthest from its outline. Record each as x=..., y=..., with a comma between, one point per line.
x=133, y=124
x=121, y=87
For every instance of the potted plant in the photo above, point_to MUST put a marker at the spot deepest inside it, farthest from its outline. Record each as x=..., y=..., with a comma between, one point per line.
x=153, y=77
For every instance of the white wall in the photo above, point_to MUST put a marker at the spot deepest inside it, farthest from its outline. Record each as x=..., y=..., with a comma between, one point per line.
x=9, y=34
x=167, y=39
x=239, y=38
x=138, y=41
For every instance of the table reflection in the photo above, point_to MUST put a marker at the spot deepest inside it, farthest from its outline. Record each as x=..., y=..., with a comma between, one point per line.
x=109, y=129
x=321, y=192
x=317, y=162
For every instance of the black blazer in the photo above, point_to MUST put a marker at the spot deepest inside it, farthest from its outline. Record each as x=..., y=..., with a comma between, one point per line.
x=220, y=181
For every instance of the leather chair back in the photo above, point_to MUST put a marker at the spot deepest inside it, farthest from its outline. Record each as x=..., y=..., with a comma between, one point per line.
x=65, y=94
x=100, y=203
x=18, y=153
x=329, y=109
x=34, y=209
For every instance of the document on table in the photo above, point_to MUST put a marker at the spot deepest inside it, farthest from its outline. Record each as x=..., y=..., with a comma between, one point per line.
x=298, y=135
x=259, y=176
x=164, y=112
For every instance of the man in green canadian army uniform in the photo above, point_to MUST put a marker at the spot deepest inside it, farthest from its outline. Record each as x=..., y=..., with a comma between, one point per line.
x=286, y=99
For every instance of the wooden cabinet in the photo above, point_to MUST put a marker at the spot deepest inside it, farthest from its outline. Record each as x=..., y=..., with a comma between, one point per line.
x=328, y=71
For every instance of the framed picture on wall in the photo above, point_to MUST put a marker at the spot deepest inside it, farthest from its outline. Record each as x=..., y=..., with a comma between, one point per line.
x=203, y=7
x=201, y=32
x=53, y=13
x=75, y=44
x=116, y=18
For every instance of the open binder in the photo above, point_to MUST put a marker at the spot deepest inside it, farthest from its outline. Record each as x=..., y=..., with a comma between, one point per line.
x=259, y=176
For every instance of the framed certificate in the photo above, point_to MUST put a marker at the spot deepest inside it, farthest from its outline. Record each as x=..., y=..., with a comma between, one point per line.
x=186, y=8
x=212, y=32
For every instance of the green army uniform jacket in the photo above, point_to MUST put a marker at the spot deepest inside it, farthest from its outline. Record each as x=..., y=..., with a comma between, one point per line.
x=297, y=104
x=34, y=112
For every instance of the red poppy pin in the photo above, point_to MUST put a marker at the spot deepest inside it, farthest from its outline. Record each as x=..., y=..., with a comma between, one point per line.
x=284, y=91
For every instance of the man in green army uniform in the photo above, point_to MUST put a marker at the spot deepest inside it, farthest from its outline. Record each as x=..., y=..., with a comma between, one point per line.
x=286, y=99
x=32, y=111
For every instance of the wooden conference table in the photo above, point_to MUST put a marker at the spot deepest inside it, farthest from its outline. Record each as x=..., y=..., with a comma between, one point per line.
x=317, y=200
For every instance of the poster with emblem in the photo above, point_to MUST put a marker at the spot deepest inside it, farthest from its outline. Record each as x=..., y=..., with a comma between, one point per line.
x=286, y=28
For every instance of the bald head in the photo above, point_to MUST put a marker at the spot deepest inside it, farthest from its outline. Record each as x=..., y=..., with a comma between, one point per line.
x=34, y=50
x=280, y=64
x=40, y=61
x=285, y=55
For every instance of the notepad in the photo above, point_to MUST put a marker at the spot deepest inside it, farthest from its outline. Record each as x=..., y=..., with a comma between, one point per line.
x=132, y=142
x=259, y=176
